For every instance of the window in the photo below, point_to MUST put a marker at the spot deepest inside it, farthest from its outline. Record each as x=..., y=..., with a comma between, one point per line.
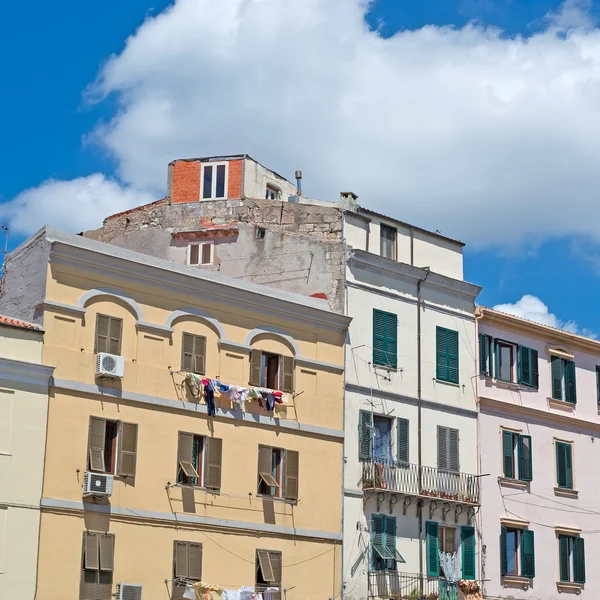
x=272, y=371
x=278, y=472
x=187, y=566
x=442, y=539
x=201, y=254
x=199, y=460
x=385, y=339
x=268, y=571
x=507, y=361
x=563, y=380
x=387, y=244
x=382, y=438
x=517, y=552
x=214, y=181
x=259, y=233
x=486, y=355
x=384, y=555
x=193, y=354
x=528, y=367
x=571, y=553
x=97, y=566
x=272, y=192
x=112, y=447
x=448, y=456
x=516, y=456
x=108, y=335
x=447, y=355
x=564, y=465
x=375, y=437
x=446, y=539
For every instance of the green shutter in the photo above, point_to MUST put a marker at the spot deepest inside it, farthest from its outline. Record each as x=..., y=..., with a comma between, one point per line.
x=535, y=371
x=564, y=465
x=365, y=423
x=528, y=367
x=557, y=377
x=403, y=433
x=452, y=356
x=503, y=552
x=527, y=554
x=507, y=454
x=385, y=339
x=496, y=359
x=447, y=366
x=484, y=354
x=598, y=384
x=570, y=387
x=433, y=558
x=378, y=337
x=467, y=535
x=441, y=354
x=578, y=560
x=525, y=462
x=377, y=538
x=390, y=540
x=563, y=558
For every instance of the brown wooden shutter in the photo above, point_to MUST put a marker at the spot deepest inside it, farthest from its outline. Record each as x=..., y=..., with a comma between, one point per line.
x=200, y=355
x=104, y=587
x=264, y=560
x=265, y=465
x=194, y=254
x=287, y=381
x=187, y=353
x=290, y=476
x=180, y=558
x=276, y=565
x=116, y=330
x=206, y=252
x=255, y=362
x=88, y=586
x=96, y=440
x=91, y=551
x=102, y=325
x=127, y=450
x=214, y=451
x=107, y=552
x=195, y=561
x=185, y=449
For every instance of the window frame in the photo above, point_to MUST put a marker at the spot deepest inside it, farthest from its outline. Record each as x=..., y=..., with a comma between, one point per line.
x=272, y=192
x=518, y=455
x=213, y=195
x=114, y=446
x=201, y=245
x=572, y=557
x=513, y=349
x=265, y=583
x=443, y=370
x=99, y=571
x=277, y=470
x=443, y=531
x=182, y=478
x=390, y=420
x=109, y=337
x=384, y=357
x=195, y=340
x=568, y=485
x=567, y=369
x=385, y=240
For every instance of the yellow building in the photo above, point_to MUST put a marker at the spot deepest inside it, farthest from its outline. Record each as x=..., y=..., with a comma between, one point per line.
x=141, y=485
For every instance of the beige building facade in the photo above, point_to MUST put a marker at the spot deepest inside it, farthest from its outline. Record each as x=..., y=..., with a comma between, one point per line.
x=144, y=490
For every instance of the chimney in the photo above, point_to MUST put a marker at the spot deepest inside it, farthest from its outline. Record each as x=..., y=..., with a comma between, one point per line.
x=299, y=182
x=348, y=201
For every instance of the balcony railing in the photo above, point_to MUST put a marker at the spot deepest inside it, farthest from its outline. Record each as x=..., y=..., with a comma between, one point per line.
x=413, y=480
x=409, y=586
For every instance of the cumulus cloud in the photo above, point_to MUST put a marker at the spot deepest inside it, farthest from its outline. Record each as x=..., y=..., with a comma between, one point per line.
x=532, y=308
x=74, y=205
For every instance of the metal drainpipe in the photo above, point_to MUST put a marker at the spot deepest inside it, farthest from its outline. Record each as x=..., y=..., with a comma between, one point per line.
x=412, y=246
x=346, y=344
x=419, y=405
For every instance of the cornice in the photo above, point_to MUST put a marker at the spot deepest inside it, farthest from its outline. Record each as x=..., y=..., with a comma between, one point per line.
x=25, y=372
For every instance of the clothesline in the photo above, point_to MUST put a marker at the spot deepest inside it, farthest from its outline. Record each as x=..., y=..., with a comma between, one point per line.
x=199, y=589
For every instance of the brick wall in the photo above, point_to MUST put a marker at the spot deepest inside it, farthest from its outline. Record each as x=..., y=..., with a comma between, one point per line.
x=234, y=183
x=185, y=181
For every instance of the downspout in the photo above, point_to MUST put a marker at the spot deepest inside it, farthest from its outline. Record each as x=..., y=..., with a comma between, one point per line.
x=412, y=246
x=419, y=413
x=478, y=316
x=346, y=345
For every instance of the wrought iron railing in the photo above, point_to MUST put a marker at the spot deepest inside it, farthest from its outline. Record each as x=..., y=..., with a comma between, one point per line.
x=413, y=480
x=409, y=586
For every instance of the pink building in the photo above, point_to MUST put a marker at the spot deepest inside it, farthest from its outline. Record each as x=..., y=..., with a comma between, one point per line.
x=539, y=440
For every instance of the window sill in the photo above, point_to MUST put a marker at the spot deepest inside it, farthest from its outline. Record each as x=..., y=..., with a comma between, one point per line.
x=553, y=403
x=198, y=488
x=450, y=383
x=513, y=385
x=513, y=483
x=514, y=580
x=386, y=368
x=566, y=493
x=568, y=586
x=276, y=499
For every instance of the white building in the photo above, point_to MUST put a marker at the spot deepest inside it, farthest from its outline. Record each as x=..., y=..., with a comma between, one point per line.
x=24, y=386
x=410, y=488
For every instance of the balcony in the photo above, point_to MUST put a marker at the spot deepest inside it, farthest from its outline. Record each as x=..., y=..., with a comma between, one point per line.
x=409, y=586
x=422, y=482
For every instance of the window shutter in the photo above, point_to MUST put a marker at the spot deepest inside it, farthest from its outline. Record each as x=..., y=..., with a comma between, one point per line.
x=433, y=558
x=524, y=365
x=403, y=437
x=365, y=433
x=214, y=458
x=276, y=566
x=206, y=252
x=187, y=353
x=452, y=356
x=195, y=561
x=483, y=354
x=578, y=560
x=291, y=475
x=503, y=552
x=390, y=537
x=569, y=465
x=264, y=560
x=181, y=559
x=200, y=354
x=525, y=462
x=442, y=448
x=467, y=535
x=570, y=383
x=496, y=359
x=557, y=377
x=507, y=454
x=379, y=337
x=107, y=552
x=116, y=329
x=378, y=541
x=391, y=340
x=255, y=361
x=265, y=460
x=185, y=449
x=527, y=554
x=88, y=588
x=91, y=548
x=441, y=354
x=453, y=450
x=535, y=373
x=287, y=382
x=598, y=384
x=96, y=436
x=194, y=254
x=102, y=324
x=127, y=450
x=563, y=557
x=564, y=465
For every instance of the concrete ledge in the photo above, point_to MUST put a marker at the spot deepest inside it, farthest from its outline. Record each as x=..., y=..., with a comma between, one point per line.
x=566, y=493
x=569, y=587
x=512, y=483
x=514, y=581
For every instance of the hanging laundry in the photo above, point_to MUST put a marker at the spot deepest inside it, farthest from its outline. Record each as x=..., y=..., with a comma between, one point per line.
x=243, y=396
x=278, y=396
x=269, y=593
x=269, y=400
x=194, y=382
x=254, y=394
x=209, y=396
x=189, y=593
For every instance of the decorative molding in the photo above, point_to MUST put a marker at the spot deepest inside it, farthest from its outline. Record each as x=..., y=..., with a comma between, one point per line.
x=561, y=404
x=152, y=328
x=199, y=314
x=26, y=372
x=353, y=493
x=561, y=352
x=197, y=409
x=567, y=530
x=234, y=346
x=516, y=523
x=99, y=292
x=512, y=483
x=567, y=586
x=63, y=308
x=318, y=364
x=512, y=580
x=273, y=331
x=566, y=493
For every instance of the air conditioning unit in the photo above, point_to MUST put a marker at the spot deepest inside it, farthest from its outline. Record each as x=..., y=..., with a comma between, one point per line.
x=97, y=484
x=129, y=591
x=109, y=365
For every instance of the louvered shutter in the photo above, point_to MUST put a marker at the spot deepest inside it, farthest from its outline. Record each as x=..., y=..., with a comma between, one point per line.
x=503, y=552
x=91, y=545
x=569, y=465
x=185, y=449
x=194, y=561
x=277, y=567
x=379, y=337
x=452, y=356
x=291, y=475
x=194, y=254
x=433, y=558
x=442, y=440
x=264, y=560
x=107, y=552
x=127, y=458
x=391, y=340
x=287, y=382
x=527, y=554
x=104, y=587
x=578, y=560
x=570, y=383
x=88, y=586
x=483, y=354
x=496, y=359
x=206, y=254
x=441, y=354
x=187, y=353
x=467, y=535
x=390, y=540
x=563, y=558
x=265, y=464
x=200, y=355
x=255, y=363
x=378, y=538
x=365, y=433
x=116, y=330
x=507, y=454
x=180, y=552
x=403, y=438
x=524, y=365
x=453, y=452
x=214, y=457
x=564, y=465
x=525, y=461
x=557, y=377
x=97, y=436
x=535, y=373
x=598, y=384
x=102, y=325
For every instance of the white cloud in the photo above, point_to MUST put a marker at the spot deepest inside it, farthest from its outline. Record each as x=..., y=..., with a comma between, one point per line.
x=74, y=205
x=532, y=308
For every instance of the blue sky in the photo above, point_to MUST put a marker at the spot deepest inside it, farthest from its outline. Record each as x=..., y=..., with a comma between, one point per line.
x=102, y=130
